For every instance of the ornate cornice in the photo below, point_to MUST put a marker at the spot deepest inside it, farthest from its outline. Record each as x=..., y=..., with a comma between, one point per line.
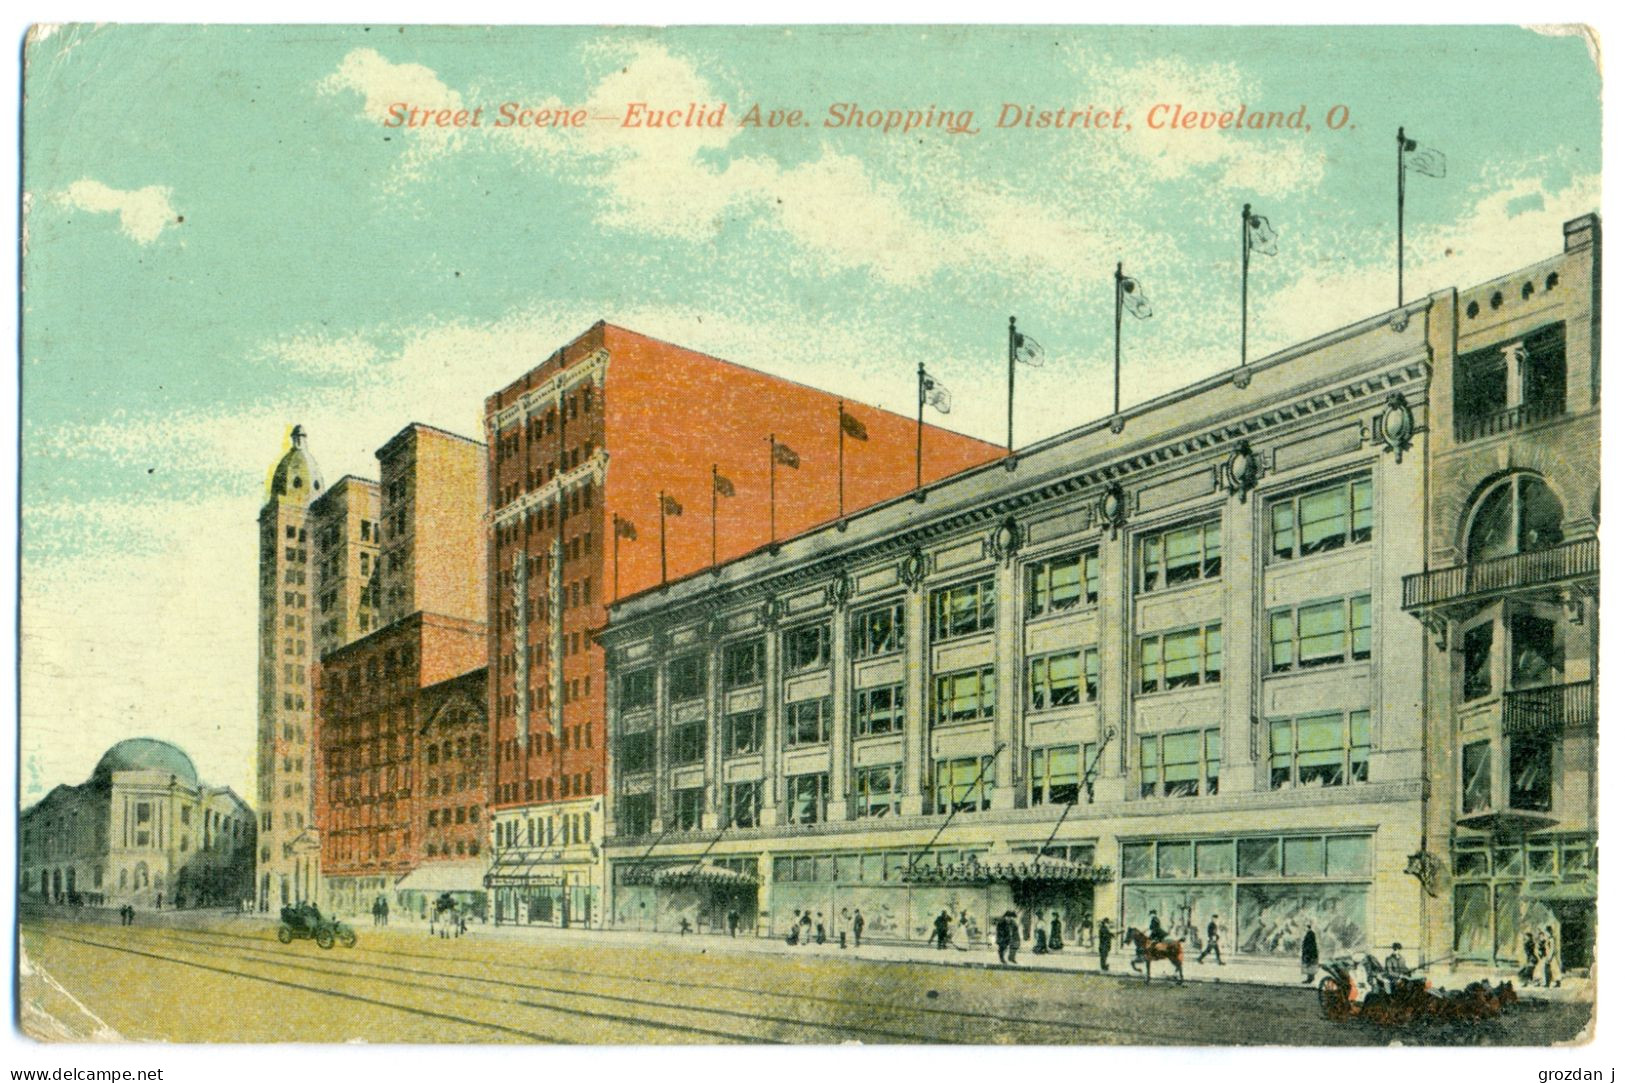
x=592, y=470
x=591, y=368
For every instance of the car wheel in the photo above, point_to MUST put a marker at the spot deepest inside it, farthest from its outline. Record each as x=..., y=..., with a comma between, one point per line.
x=284, y=934
x=347, y=938
x=324, y=938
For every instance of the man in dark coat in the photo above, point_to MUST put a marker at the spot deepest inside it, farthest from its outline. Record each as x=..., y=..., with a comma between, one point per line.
x=857, y=928
x=939, y=930
x=1002, y=928
x=1156, y=931
x=1310, y=956
x=1014, y=934
x=1212, y=942
x=1103, y=940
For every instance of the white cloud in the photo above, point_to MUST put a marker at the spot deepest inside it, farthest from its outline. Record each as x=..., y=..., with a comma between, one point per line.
x=1270, y=162
x=383, y=84
x=143, y=213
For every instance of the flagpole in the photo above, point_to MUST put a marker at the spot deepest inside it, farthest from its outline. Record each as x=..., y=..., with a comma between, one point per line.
x=1246, y=213
x=1117, y=343
x=772, y=486
x=840, y=459
x=1400, y=171
x=1010, y=414
x=713, y=515
x=919, y=429
x=662, y=537
x=616, y=560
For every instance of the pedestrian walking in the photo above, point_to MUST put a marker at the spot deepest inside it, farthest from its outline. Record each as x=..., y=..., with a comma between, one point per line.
x=940, y=931
x=857, y=928
x=1014, y=934
x=819, y=937
x=1213, y=932
x=733, y=923
x=383, y=907
x=1103, y=943
x=1546, y=951
x=1531, y=958
x=1309, y=956
x=1001, y=938
x=1055, y=930
x=806, y=927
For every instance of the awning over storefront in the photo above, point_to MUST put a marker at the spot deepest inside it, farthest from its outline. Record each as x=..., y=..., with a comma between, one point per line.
x=525, y=870
x=438, y=876
x=1026, y=869
x=1566, y=891
x=696, y=873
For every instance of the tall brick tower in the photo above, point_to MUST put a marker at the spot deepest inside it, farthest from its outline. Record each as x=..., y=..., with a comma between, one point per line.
x=286, y=863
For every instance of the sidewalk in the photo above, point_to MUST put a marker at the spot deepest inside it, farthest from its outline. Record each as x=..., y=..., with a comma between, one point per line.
x=1247, y=970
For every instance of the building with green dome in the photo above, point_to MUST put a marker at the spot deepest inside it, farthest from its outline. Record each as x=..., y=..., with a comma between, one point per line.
x=142, y=830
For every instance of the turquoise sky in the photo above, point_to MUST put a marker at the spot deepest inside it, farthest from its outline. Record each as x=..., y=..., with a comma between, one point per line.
x=223, y=239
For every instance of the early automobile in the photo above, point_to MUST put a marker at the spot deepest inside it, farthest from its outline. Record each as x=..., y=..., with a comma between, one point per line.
x=305, y=922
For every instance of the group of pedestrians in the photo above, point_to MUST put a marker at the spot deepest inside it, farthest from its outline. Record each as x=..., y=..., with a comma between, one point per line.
x=380, y=911
x=806, y=929
x=1540, y=953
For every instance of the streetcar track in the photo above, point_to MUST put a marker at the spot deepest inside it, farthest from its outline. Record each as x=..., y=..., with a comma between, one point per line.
x=1070, y=1028
x=337, y=964
x=634, y=1021
x=356, y=997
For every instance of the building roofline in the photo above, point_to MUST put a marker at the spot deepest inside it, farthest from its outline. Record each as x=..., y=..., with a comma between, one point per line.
x=1281, y=357
x=418, y=618
x=347, y=479
x=601, y=325
x=413, y=428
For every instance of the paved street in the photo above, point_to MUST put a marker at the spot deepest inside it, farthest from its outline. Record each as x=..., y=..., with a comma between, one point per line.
x=205, y=978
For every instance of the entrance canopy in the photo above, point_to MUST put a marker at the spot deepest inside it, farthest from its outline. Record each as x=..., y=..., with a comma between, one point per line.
x=1567, y=891
x=524, y=870
x=695, y=873
x=438, y=876
x=1032, y=869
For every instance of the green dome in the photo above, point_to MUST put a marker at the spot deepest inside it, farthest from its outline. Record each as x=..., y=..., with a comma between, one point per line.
x=145, y=754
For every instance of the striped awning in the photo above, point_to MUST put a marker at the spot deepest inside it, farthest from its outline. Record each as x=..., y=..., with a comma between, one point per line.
x=692, y=873
x=1023, y=868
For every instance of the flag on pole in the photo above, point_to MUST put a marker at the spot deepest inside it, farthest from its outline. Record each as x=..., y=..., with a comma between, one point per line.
x=785, y=455
x=1028, y=351
x=669, y=505
x=1260, y=237
x=625, y=529
x=1134, y=298
x=932, y=393
x=1423, y=160
x=724, y=486
x=853, y=427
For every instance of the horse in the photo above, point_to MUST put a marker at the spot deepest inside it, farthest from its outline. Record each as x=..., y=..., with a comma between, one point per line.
x=1147, y=950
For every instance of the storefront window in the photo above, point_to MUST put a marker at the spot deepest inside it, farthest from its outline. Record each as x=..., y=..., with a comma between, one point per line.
x=1173, y=860
x=1259, y=857
x=1305, y=857
x=1472, y=917
x=1136, y=860
x=1477, y=647
x=1348, y=855
x=1216, y=858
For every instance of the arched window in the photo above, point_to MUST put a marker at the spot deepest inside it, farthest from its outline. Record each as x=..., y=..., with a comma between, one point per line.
x=1519, y=515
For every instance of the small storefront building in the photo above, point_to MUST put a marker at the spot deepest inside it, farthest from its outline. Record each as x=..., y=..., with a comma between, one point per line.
x=462, y=882
x=1507, y=890
x=692, y=896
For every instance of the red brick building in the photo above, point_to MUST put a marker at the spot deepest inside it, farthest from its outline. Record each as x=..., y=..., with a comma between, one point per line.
x=379, y=702
x=585, y=451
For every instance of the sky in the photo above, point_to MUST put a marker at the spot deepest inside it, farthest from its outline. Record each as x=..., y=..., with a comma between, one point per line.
x=225, y=237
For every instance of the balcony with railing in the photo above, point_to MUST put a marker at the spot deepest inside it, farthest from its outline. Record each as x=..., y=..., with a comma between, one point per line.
x=1478, y=426
x=1549, y=710
x=1566, y=563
